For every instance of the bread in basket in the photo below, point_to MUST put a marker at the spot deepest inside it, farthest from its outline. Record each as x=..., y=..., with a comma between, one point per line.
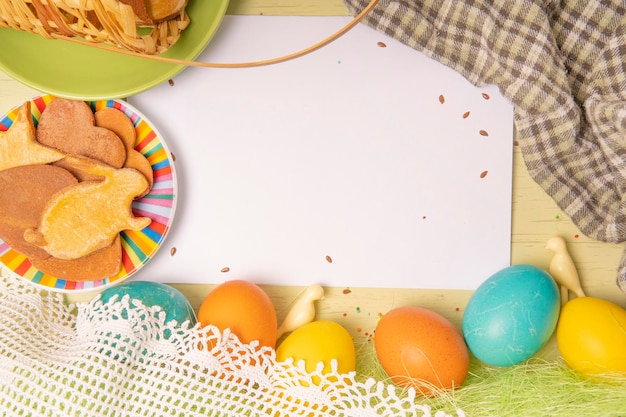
x=144, y=26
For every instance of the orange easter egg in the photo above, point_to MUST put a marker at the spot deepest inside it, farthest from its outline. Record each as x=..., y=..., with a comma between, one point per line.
x=244, y=308
x=421, y=349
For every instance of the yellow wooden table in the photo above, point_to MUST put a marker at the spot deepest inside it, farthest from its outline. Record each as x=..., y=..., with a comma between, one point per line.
x=535, y=219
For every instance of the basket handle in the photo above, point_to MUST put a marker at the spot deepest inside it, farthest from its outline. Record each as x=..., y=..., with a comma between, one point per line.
x=264, y=62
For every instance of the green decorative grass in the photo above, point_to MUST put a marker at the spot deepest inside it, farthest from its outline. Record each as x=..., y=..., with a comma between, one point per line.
x=538, y=387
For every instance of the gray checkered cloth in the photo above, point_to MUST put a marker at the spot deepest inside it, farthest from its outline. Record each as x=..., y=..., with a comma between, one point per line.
x=563, y=66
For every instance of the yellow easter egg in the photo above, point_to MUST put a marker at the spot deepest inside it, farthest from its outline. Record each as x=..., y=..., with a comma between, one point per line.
x=591, y=336
x=319, y=341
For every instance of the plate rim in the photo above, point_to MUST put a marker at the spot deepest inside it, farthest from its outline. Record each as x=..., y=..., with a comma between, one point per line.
x=94, y=288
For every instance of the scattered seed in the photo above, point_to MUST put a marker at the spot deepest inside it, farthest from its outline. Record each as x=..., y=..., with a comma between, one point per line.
x=347, y=291
x=173, y=157
x=515, y=143
x=329, y=259
x=381, y=44
x=173, y=251
x=225, y=269
x=466, y=115
x=358, y=330
x=483, y=133
x=171, y=82
x=483, y=174
x=486, y=96
x=442, y=99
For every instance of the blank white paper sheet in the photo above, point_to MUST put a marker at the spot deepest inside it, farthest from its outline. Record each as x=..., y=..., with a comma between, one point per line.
x=363, y=164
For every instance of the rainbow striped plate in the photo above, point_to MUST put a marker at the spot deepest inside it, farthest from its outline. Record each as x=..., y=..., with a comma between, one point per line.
x=138, y=247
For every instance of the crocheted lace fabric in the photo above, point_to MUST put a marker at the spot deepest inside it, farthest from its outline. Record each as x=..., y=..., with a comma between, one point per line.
x=121, y=359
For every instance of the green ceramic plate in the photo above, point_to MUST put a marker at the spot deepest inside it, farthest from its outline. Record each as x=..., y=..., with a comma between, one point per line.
x=80, y=72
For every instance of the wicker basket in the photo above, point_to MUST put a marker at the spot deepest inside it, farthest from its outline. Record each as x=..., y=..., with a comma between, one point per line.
x=98, y=21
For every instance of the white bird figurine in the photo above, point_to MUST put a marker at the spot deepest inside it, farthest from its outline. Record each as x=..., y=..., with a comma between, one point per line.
x=303, y=310
x=562, y=267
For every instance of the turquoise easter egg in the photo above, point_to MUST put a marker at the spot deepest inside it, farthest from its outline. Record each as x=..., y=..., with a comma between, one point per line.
x=511, y=315
x=172, y=302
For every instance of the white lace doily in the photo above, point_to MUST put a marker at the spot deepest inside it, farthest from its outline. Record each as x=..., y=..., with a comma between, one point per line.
x=96, y=359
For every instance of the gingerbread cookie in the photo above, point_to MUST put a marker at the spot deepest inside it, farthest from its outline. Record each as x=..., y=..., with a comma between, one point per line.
x=69, y=127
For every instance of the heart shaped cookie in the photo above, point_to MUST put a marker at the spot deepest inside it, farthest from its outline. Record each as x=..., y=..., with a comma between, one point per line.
x=69, y=127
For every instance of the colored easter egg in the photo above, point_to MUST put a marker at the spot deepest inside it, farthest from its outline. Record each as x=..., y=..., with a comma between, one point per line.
x=317, y=342
x=244, y=308
x=419, y=348
x=511, y=315
x=591, y=336
x=172, y=302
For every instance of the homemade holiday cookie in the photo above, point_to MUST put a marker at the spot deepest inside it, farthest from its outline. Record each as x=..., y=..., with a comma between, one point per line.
x=69, y=126
x=25, y=192
x=103, y=263
x=18, y=145
x=123, y=127
x=87, y=216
